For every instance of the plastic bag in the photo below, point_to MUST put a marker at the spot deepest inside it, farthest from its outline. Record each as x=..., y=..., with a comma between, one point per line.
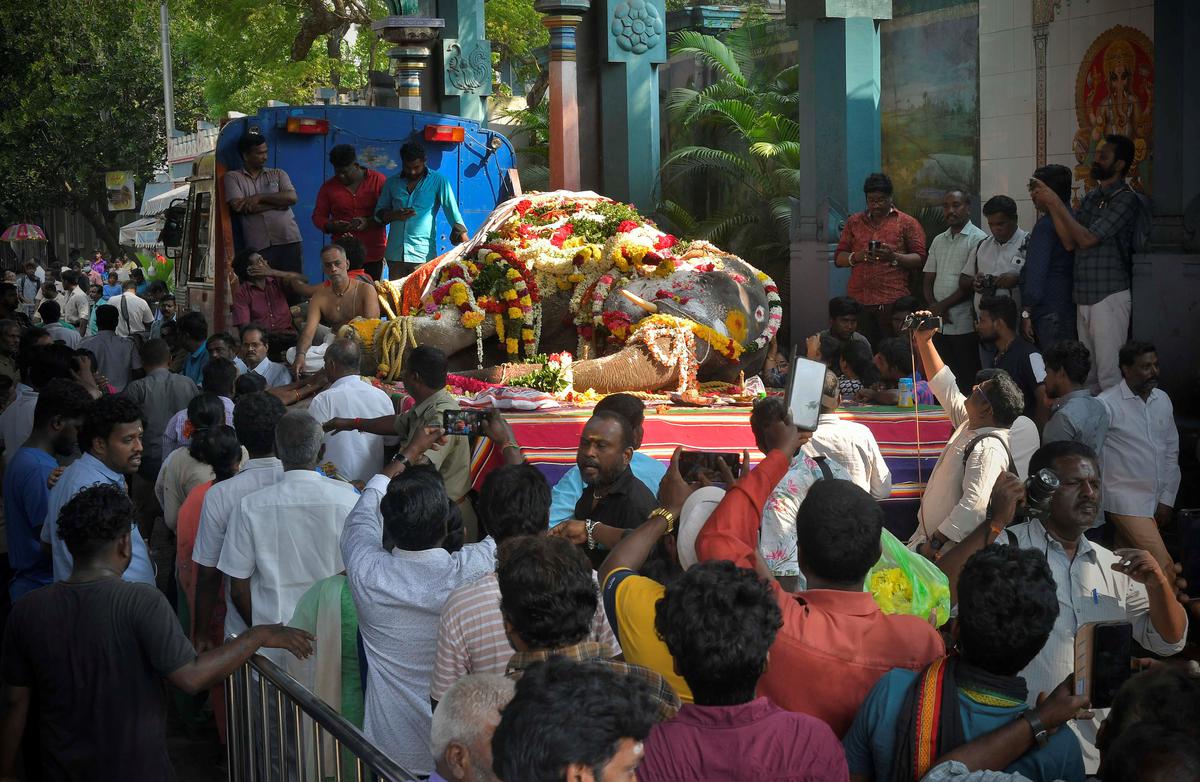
x=904, y=582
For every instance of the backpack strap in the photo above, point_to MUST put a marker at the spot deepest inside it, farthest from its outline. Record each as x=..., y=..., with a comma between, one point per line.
x=1012, y=539
x=826, y=473
x=1012, y=464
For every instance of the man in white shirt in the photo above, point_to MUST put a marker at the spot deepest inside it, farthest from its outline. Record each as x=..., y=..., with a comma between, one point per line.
x=850, y=444
x=995, y=264
x=956, y=495
x=135, y=315
x=400, y=577
x=1093, y=583
x=1141, y=454
x=254, y=354
x=51, y=312
x=254, y=419
x=77, y=307
x=357, y=455
x=283, y=538
x=948, y=255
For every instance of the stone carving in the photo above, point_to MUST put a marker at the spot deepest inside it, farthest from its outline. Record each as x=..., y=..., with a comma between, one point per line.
x=468, y=67
x=636, y=26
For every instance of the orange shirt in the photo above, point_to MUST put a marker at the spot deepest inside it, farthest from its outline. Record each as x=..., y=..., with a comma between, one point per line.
x=881, y=283
x=833, y=645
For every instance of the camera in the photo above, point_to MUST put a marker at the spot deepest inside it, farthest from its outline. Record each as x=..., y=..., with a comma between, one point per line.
x=918, y=323
x=1039, y=492
x=989, y=284
x=873, y=245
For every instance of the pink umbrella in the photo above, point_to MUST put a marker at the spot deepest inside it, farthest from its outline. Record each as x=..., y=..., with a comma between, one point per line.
x=23, y=232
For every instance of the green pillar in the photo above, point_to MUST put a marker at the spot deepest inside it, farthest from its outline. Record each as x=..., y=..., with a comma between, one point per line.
x=634, y=45
x=839, y=141
x=466, y=72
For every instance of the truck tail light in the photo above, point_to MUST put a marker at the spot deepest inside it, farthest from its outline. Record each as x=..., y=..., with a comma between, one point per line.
x=451, y=134
x=308, y=125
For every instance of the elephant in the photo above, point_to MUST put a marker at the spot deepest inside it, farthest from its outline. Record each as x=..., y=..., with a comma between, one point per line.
x=679, y=314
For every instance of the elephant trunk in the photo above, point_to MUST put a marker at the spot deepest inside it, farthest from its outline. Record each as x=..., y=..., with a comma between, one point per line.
x=629, y=369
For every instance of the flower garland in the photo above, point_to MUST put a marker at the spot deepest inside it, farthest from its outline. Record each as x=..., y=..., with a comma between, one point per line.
x=680, y=355
x=727, y=347
x=775, y=309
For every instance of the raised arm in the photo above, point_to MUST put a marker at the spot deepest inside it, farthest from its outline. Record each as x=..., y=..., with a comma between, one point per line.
x=214, y=666
x=632, y=550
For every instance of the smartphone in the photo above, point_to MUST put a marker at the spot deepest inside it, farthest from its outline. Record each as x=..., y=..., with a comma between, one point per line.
x=467, y=423
x=1103, y=660
x=693, y=463
x=805, y=384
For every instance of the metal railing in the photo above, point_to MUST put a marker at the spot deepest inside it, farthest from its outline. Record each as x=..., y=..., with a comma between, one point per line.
x=279, y=730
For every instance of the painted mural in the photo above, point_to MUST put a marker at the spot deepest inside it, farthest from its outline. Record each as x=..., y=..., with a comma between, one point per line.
x=930, y=105
x=1114, y=93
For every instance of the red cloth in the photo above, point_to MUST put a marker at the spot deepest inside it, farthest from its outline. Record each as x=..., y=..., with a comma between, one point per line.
x=833, y=645
x=880, y=283
x=336, y=202
x=749, y=742
x=267, y=305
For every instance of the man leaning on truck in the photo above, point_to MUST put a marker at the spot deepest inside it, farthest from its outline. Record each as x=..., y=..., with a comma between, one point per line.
x=262, y=199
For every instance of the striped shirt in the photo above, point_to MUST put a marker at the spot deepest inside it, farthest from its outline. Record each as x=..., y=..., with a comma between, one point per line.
x=471, y=635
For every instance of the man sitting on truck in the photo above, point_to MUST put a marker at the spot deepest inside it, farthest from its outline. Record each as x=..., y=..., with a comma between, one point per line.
x=262, y=198
x=336, y=304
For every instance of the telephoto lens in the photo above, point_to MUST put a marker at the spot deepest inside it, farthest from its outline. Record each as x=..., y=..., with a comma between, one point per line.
x=1039, y=491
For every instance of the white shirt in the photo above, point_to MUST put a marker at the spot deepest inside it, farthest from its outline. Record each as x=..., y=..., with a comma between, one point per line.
x=948, y=254
x=1023, y=441
x=60, y=333
x=140, y=315
x=284, y=538
x=16, y=422
x=399, y=596
x=1141, y=452
x=957, y=494
x=853, y=446
x=275, y=374
x=78, y=306
x=1089, y=590
x=357, y=455
x=992, y=257
x=219, y=505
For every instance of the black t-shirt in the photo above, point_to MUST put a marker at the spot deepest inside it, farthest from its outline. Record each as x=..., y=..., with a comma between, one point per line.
x=94, y=655
x=626, y=505
x=1023, y=361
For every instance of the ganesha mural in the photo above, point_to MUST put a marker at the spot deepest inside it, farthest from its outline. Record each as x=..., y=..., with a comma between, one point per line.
x=1114, y=93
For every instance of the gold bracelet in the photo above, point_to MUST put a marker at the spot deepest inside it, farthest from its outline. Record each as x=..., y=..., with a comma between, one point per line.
x=668, y=516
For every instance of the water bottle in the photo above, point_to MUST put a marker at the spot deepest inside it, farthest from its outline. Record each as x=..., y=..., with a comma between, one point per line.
x=907, y=399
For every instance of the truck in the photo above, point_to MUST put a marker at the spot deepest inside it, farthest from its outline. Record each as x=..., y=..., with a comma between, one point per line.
x=478, y=162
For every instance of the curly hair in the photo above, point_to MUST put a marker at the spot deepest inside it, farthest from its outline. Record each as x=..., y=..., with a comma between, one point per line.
x=105, y=414
x=514, y=500
x=1007, y=604
x=718, y=621
x=547, y=591
x=60, y=398
x=837, y=532
x=567, y=713
x=93, y=518
x=255, y=417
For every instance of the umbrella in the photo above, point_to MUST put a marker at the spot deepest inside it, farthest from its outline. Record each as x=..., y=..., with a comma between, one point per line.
x=23, y=232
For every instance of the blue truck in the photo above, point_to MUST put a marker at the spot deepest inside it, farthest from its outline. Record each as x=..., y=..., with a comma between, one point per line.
x=478, y=162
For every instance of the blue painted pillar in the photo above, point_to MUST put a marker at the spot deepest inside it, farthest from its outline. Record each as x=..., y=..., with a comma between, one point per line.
x=466, y=78
x=634, y=45
x=839, y=88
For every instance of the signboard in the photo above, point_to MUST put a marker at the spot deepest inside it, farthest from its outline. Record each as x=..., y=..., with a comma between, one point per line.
x=120, y=190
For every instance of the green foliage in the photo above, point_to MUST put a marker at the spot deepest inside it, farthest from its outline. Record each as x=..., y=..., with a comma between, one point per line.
x=516, y=30
x=751, y=164
x=532, y=139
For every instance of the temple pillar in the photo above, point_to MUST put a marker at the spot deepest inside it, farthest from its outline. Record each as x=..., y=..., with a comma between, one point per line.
x=561, y=18
x=414, y=37
x=466, y=78
x=840, y=143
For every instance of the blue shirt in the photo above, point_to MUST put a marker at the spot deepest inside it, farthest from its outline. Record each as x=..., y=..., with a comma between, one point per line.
x=569, y=488
x=86, y=472
x=1048, y=274
x=871, y=743
x=415, y=240
x=193, y=366
x=25, y=496
x=111, y=290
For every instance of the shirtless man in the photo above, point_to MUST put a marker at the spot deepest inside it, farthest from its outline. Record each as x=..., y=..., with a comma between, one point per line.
x=336, y=304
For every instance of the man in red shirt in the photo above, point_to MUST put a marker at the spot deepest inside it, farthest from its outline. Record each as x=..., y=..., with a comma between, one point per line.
x=882, y=246
x=835, y=643
x=346, y=205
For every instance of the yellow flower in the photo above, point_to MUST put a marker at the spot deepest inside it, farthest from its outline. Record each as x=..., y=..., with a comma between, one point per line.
x=514, y=313
x=513, y=274
x=471, y=319
x=499, y=321
x=511, y=346
x=492, y=257
x=735, y=321
x=526, y=301
x=458, y=294
x=510, y=294
x=527, y=335
x=892, y=590
x=565, y=285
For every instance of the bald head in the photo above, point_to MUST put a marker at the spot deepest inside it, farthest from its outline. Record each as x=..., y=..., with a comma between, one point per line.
x=342, y=358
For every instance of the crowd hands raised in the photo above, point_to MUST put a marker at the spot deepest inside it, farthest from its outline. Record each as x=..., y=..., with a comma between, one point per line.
x=629, y=621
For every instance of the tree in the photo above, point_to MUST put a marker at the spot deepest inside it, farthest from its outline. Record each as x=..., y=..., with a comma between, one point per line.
x=82, y=95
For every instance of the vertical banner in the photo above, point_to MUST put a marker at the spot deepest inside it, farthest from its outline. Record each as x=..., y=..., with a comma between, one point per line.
x=120, y=191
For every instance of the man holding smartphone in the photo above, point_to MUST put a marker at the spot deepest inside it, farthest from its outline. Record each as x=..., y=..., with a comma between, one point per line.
x=1093, y=583
x=408, y=205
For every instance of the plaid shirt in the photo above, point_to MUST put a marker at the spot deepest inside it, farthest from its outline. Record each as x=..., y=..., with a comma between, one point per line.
x=1109, y=213
x=880, y=283
x=589, y=651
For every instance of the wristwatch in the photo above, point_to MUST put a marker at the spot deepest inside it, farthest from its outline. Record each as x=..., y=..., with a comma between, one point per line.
x=935, y=545
x=1025, y=315
x=667, y=515
x=1040, y=734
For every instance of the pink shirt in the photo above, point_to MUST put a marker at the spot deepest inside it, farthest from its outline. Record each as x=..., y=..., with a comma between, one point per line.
x=267, y=305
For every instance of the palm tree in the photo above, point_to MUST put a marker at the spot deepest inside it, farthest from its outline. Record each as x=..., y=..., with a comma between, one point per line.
x=751, y=167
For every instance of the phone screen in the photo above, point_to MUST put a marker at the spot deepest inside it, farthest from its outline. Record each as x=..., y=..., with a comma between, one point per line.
x=692, y=464
x=804, y=392
x=1103, y=654
x=466, y=423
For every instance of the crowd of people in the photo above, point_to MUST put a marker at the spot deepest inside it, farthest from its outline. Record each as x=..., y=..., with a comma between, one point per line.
x=624, y=622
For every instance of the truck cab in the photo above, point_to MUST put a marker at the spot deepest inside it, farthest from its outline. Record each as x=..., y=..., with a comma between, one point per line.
x=475, y=160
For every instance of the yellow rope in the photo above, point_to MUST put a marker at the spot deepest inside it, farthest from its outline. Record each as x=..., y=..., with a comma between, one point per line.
x=393, y=338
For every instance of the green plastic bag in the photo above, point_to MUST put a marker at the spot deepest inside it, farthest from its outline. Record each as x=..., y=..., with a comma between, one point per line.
x=904, y=582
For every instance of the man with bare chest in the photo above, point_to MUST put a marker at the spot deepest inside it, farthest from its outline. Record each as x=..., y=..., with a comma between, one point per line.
x=337, y=303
